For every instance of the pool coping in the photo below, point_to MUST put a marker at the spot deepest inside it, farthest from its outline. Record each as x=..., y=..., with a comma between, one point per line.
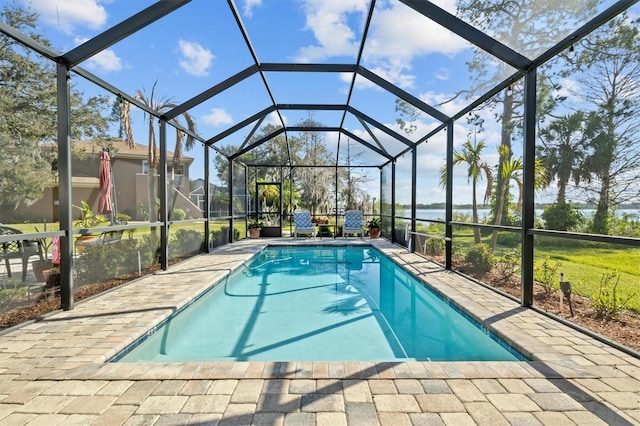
x=75, y=345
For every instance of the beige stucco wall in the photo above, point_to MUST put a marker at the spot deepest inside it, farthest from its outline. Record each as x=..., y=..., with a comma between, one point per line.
x=130, y=185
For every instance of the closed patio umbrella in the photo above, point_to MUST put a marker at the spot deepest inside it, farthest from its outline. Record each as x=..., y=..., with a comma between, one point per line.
x=104, y=206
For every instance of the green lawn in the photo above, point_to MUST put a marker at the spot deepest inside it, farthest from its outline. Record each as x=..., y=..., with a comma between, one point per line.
x=584, y=265
x=584, y=268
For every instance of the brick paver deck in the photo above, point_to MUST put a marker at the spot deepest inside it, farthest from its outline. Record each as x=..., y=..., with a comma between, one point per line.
x=53, y=371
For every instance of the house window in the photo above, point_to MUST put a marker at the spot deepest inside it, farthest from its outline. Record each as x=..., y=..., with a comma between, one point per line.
x=178, y=169
x=145, y=167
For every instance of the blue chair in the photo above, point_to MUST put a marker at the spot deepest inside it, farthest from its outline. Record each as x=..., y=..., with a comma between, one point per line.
x=303, y=224
x=353, y=223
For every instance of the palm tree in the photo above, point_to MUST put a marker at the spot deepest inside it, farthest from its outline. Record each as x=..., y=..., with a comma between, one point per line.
x=160, y=106
x=564, y=150
x=512, y=171
x=470, y=155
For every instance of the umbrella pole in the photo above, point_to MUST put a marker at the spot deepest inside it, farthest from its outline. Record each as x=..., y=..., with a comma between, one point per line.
x=114, y=208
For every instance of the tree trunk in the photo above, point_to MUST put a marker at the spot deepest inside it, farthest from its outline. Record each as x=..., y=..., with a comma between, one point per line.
x=600, y=222
x=494, y=235
x=562, y=191
x=474, y=212
x=505, y=140
x=153, y=210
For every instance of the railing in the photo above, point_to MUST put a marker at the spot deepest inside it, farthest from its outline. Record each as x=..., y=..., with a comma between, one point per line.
x=408, y=236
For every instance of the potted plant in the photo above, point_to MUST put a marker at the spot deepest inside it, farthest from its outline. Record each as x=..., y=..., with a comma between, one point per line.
x=87, y=220
x=323, y=225
x=374, y=225
x=255, y=226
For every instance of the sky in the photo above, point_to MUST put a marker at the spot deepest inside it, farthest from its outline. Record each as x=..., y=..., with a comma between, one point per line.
x=199, y=45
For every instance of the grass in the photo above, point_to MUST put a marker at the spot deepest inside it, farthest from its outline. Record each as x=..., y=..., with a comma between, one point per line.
x=583, y=265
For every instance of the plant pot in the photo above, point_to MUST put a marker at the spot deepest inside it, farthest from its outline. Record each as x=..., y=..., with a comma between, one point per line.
x=254, y=232
x=39, y=266
x=374, y=232
x=83, y=241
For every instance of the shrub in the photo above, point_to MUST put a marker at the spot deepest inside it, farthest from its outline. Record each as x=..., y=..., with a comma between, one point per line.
x=607, y=303
x=481, y=257
x=511, y=239
x=434, y=246
x=102, y=262
x=179, y=214
x=561, y=217
x=507, y=266
x=149, y=248
x=123, y=217
x=221, y=236
x=546, y=274
x=185, y=242
x=11, y=293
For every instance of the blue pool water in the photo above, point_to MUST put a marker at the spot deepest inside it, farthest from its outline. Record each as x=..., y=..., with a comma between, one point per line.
x=319, y=304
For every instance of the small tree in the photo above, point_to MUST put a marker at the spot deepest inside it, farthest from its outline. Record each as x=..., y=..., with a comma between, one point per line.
x=158, y=105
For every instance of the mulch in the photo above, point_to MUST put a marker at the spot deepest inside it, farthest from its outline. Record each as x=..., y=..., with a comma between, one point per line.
x=45, y=305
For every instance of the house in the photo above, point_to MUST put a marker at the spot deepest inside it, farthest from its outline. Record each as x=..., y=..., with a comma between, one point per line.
x=129, y=177
x=219, y=196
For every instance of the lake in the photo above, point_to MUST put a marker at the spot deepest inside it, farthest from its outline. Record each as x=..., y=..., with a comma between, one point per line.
x=435, y=214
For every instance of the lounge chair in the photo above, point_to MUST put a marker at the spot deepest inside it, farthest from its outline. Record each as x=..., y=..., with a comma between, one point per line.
x=353, y=223
x=302, y=222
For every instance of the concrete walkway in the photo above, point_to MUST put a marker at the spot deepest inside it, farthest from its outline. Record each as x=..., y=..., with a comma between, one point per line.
x=53, y=371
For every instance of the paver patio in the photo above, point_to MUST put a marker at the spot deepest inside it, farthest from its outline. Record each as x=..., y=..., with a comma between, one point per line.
x=54, y=371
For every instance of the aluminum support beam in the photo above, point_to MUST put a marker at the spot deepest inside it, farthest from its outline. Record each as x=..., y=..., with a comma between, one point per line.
x=28, y=41
x=240, y=125
x=528, y=186
x=388, y=131
x=164, y=212
x=64, y=186
x=366, y=144
x=448, y=214
x=393, y=201
x=257, y=143
x=414, y=196
x=316, y=107
x=230, y=212
x=470, y=33
x=121, y=31
x=390, y=87
x=211, y=92
x=289, y=67
x=207, y=197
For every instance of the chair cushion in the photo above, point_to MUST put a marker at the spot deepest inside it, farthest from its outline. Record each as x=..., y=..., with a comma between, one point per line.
x=302, y=219
x=353, y=219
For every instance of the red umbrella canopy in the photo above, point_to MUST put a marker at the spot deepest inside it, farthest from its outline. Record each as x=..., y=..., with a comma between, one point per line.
x=104, y=206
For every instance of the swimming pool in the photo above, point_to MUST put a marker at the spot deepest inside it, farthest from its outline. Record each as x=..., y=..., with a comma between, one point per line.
x=318, y=303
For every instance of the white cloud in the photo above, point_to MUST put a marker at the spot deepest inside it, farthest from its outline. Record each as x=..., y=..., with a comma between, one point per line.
x=249, y=5
x=443, y=74
x=217, y=117
x=196, y=60
x=442, y=102
x=391, y=52
x=106, y=61
x=66, y=15
x=328, y=20
x=273, y=119
x=388, y=51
